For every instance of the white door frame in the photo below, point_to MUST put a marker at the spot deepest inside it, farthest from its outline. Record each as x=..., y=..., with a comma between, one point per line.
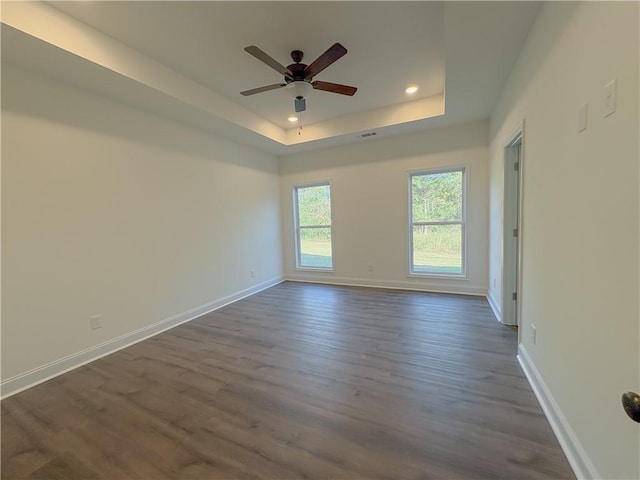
x=512, y=223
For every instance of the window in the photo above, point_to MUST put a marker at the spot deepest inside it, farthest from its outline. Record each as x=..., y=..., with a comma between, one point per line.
x=437, y=219
x=313, y=226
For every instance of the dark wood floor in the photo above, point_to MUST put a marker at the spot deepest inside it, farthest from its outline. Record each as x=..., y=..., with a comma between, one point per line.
x=299, y=381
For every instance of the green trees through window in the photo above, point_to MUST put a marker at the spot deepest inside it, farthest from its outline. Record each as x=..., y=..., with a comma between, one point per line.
x=313, y=226
x=437, y=222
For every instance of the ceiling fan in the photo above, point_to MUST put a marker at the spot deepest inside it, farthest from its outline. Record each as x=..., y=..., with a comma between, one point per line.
x=298, y=77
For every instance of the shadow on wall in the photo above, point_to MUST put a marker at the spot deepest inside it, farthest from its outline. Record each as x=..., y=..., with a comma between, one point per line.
x=39, y=96
x=524, y=76
x=443, y=139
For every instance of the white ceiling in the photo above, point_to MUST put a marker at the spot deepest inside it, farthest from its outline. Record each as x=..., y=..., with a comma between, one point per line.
x=205, y=41
x=464, y=48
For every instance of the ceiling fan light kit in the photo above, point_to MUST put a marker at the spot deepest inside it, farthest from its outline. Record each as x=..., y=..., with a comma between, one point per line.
x=299, y=88
x=298, y=77
x=300, y=104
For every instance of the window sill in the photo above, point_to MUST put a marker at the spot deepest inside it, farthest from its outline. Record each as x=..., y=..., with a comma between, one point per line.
x=440, y=276
x=312, y=269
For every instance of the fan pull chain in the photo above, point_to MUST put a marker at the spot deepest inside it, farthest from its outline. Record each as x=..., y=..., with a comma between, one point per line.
x=299, y=123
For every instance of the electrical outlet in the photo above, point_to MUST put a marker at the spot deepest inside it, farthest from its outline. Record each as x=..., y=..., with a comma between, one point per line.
x=253, y=273
x=96, y=322
x=370, y=268
x=533, y=333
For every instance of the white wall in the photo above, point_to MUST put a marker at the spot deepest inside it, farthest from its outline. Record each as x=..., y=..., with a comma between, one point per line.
x=108, y=210
x=370, y=217
x=580, y=225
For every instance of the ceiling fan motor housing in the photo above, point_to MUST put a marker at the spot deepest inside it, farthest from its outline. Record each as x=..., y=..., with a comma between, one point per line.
x=297, y=69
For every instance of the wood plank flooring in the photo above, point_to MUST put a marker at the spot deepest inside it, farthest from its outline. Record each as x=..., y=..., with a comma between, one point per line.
x=298, y=381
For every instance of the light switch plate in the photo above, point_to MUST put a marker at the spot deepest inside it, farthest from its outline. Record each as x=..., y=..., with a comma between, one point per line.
x=610, y=97
x=582, y=118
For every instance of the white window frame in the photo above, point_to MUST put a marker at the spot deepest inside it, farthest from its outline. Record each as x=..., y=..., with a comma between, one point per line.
x=297, y=227
x=462, y=223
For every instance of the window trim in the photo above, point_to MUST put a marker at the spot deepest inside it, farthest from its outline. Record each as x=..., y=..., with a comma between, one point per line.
x=463, y=223
x=297, y=227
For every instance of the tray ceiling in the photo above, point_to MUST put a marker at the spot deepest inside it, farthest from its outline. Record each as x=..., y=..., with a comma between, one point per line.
x=464, y=50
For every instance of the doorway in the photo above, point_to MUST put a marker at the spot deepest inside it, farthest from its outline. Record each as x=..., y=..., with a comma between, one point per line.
x=512, y=230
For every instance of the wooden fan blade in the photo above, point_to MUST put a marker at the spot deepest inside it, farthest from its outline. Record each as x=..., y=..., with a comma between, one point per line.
x=266, y=88
x=272, y=62
x=334, y=88
x=323, y=61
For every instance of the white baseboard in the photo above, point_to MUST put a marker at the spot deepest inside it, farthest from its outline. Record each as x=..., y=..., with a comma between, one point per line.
x=391, y=284
x=495, y=307
x=33, y=377
x=577, y=457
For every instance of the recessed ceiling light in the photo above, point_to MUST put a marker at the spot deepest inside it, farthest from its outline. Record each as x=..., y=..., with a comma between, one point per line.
x=411, y=89
x=293, y=118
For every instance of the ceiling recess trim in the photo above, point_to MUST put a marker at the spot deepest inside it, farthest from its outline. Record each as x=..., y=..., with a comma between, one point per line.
x=63, y=32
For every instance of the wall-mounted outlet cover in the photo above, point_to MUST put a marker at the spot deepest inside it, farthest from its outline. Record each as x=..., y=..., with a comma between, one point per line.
x=96, y=322
x=534, y=333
